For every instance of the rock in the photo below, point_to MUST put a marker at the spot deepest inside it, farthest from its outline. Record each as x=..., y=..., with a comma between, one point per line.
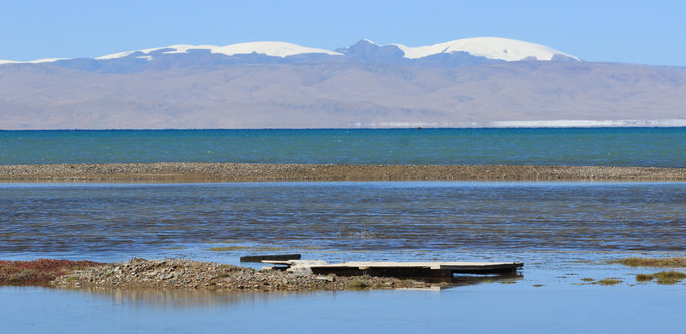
x=303, y=267
x=325, y=278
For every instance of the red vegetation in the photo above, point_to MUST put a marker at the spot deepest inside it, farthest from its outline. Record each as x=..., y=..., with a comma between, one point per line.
x=38, y=272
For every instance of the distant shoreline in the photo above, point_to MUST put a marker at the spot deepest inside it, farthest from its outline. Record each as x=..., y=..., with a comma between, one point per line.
x=202, y=172
x=495, y=125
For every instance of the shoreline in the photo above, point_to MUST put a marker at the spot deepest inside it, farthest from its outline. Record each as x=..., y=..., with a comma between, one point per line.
x=207, y=172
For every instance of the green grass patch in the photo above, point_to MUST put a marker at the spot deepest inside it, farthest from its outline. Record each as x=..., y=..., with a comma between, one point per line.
x=669, y=277
x=669, y=262
x=644, y=277
x=609, y=281
x=223, y=275
x=663, y=277
x=670, y=274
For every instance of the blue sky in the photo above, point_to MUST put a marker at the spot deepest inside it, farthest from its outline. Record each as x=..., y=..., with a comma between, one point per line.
x=649, y=32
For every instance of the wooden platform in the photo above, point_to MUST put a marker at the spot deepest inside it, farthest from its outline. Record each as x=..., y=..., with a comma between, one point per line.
x=278, y=257
x=403, y=269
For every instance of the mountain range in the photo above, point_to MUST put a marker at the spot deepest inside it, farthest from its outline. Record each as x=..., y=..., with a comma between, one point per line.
x=473, y=82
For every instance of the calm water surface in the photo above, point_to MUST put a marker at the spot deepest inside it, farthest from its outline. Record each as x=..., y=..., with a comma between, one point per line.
x=479, y=309
x=664, y=147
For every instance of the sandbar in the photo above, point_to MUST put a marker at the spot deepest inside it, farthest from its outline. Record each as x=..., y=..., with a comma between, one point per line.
x=200, y=172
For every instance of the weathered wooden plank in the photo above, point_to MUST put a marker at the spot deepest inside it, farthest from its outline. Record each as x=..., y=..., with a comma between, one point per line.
x=278, y=257
x=416, y=269
x=381, y=272
x=398, y=269
x=278, y=262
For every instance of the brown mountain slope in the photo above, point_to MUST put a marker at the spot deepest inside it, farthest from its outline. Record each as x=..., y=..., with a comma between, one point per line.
x=330, y=95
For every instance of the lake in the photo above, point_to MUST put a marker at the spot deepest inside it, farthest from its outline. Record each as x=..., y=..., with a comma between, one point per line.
x=663, y=147
x=565, y=233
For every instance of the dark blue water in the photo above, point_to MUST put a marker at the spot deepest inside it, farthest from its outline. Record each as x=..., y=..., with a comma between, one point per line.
x=664, y=147
x=116, y=222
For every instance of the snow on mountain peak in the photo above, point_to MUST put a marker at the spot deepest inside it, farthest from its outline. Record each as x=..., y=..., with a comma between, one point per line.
x=369, y=41
x=37, y=61
x=274, y=49
x=46, y=60
x=489, y=47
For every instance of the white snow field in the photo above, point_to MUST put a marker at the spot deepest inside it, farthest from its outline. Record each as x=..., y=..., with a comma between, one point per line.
x=489, y=47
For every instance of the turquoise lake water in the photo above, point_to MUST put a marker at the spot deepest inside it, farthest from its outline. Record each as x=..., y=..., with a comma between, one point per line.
x=665, y=147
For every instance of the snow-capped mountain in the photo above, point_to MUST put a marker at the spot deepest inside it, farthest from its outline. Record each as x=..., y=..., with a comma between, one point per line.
x=463, y=83
x=37, y=61
x=459, y=52
x=488, y=47
x=273, y=49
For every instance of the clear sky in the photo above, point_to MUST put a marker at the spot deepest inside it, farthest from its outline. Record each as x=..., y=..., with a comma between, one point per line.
x=632, y=31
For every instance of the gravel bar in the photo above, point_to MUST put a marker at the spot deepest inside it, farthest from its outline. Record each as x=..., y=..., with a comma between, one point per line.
x=187, y=274
x=197, y=172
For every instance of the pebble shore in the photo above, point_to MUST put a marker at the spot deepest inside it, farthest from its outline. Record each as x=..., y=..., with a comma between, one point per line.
x=244, y=172
x=188, y=274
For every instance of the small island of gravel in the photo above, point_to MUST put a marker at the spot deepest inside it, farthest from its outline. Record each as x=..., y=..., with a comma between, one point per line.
x=185, y=274
x=188, y=274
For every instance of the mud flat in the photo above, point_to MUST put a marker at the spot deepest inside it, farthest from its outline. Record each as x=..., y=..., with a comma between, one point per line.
x=243, y=172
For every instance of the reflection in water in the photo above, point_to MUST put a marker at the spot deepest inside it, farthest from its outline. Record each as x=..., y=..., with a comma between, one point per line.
x=486, y=308
x=464, y=280
x=183, y=298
